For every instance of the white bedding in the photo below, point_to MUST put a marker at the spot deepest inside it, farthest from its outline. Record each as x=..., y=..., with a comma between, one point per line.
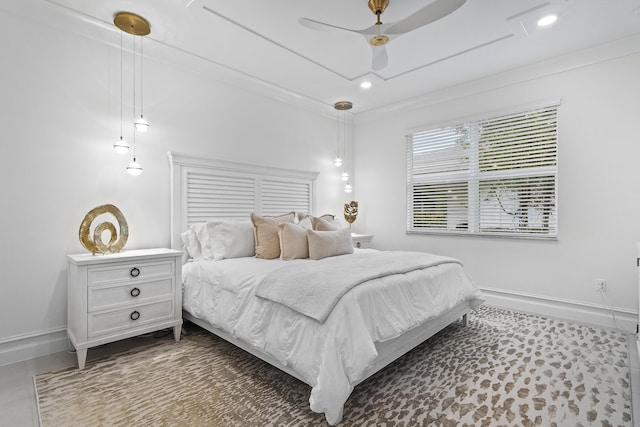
x=330, y=356
x=315, y=291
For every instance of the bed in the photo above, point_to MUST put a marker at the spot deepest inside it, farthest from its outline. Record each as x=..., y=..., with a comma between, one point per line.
x=367, y=308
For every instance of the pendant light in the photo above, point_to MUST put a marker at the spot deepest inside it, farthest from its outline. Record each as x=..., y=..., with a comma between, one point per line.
x=340, y=106
x=121, y=146
x=141, y=124
x=348, y=188
x=137, y=26
x=344, y=106
x=134, y=168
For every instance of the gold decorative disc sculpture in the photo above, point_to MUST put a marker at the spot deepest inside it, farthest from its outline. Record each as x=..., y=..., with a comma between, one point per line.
x=350, y=212
x=95, y=244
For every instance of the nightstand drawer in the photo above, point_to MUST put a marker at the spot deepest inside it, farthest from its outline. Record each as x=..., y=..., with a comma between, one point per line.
x=362, y=241
x=103, y=297
x=129, y=318
x=130, y=271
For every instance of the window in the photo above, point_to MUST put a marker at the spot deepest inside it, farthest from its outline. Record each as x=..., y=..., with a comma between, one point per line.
x=494, y=176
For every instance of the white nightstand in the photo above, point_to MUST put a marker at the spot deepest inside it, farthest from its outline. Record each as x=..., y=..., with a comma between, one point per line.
x=362, y=241
x=117, y=296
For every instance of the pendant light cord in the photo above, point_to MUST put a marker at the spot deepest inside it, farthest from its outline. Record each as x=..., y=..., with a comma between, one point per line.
x=344, y=139
x=141, y=78
x=134, y=78
x=120, y=84
x=338, y=132
x=134, y=97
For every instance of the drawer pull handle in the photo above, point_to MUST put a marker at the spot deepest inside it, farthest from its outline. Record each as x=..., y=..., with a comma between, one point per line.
x=135, y=292
x=358, y=244
x=135, y=272
x=135, y=315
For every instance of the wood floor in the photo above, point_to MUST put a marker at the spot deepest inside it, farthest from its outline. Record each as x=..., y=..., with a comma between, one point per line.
x=17, y=394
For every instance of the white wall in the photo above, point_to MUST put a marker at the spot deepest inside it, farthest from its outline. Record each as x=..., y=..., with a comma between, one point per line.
x=60, y=110
x=599, y=202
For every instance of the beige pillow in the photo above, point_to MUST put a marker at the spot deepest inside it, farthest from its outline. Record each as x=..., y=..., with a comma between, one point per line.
x=321, y=224
x=293, y=241
x=324, y=244
x=306, y=223
x=266, y=234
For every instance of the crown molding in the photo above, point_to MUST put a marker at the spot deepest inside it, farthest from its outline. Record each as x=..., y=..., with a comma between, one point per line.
x=558, y=65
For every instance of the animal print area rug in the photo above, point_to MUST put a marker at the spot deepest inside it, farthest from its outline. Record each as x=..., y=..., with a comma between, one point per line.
x=503, y=369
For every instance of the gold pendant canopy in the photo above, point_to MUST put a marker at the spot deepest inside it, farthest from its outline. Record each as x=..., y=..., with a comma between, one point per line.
x=132, y=23
x=343, y=105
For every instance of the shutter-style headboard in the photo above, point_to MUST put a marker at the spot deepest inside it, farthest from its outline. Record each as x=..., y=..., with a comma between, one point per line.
x=203, y=189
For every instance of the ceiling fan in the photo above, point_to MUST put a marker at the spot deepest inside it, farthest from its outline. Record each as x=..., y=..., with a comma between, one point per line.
x=379, y=34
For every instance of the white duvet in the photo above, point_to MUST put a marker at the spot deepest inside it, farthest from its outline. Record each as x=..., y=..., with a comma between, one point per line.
x=330, y=356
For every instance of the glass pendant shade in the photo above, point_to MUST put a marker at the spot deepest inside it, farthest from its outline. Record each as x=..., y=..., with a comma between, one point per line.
x=338, y=162
x=141, y=124
x=348, y=188
x=121, y=146
x=134, y=168
x=345, y=176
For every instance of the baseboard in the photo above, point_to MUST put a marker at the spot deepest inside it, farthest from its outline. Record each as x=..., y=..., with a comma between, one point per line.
x=590, y=314
x=29, y=346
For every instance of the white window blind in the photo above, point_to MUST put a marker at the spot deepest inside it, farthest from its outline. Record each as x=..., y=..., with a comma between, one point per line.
x=494, y=176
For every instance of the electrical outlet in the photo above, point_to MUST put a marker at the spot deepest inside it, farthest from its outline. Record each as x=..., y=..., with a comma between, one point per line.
x=601, y=285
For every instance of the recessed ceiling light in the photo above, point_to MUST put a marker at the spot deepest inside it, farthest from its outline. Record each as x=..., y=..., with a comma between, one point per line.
x=545, y=21
x=365, y=84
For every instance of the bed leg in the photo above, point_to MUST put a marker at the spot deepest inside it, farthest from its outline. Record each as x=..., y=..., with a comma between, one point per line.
x=464, y=320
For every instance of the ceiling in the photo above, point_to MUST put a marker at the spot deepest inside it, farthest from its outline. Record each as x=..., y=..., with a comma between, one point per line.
x=264, y=41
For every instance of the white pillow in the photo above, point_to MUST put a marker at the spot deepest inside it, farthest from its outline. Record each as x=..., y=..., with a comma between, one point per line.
x=202, y=234
x=324, y=244
x=231, y=239
x=191, y=243
x=293, y=241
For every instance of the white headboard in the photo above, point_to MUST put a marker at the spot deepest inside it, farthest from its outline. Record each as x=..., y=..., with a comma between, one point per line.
x=203, y=189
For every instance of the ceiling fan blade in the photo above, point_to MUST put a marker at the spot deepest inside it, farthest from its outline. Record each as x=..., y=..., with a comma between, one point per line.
x=380, y=58
x=321, y=26
x=428, y=14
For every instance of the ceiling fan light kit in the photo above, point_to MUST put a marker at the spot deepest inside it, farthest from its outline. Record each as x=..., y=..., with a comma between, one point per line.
x=379, y=40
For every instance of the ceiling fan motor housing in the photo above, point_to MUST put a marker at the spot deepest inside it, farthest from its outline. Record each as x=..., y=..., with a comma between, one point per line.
x=378, y=6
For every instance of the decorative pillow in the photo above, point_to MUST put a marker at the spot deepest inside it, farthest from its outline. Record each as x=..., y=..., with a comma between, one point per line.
x=321, y=224
x=202, y=234
x=324, y=244
x=306, y=223
x=328, y=217
x=231, y=239
x=191, y=243
x=293, y=241
x=266, y=234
